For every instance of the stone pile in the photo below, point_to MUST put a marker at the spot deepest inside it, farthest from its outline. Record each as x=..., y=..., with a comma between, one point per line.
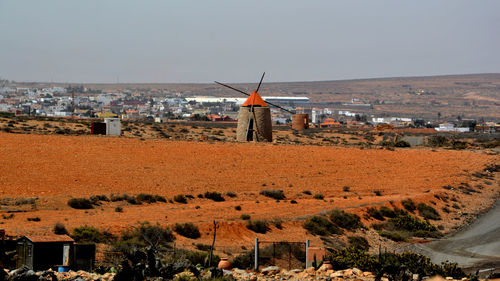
x=271, y=273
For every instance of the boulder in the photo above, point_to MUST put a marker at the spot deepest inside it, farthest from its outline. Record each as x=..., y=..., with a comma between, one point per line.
x=270, y=270
x=357, y=272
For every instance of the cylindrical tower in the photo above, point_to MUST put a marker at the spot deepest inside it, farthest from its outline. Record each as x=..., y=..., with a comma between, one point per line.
x=300, y=121
x=256, y=125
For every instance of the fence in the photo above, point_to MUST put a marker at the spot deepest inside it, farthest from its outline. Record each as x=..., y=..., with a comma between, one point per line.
x=284, y=254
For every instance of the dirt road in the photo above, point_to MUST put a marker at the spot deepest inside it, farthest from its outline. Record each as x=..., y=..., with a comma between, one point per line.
x=475, y=246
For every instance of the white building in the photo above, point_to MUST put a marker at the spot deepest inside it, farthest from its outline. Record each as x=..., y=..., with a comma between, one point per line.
x=448, y=127
x=113, y=126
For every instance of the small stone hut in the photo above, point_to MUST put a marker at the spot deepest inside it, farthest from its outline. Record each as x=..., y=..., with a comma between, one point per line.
x=254, y=120
x=44, y=252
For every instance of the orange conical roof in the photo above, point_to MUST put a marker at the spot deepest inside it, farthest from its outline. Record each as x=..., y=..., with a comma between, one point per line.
x=255, y=100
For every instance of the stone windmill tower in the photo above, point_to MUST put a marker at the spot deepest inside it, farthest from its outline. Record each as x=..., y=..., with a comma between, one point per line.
x=254, y=117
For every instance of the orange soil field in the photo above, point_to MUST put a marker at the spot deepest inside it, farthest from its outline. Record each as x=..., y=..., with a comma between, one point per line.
x=57, y=168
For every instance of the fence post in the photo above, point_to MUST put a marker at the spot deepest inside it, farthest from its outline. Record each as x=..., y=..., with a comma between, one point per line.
x=256, y=261
x=307, y=254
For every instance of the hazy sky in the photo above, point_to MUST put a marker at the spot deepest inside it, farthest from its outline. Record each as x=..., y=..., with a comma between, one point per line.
x=234, y=41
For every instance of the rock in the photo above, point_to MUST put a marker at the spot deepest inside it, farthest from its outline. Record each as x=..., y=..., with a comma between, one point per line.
x=239, y=271
x=357, y=272
x=270, y=270
x=226, y=272
x=310, y=270
x=337, y=274
x=368, y=274
x=348, y=272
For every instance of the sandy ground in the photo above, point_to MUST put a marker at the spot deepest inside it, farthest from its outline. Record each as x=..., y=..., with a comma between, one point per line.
x=56, y=168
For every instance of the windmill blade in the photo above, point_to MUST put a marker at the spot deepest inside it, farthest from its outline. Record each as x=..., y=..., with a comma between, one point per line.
x=227, y=86
x=240, y=91
x=261, y=78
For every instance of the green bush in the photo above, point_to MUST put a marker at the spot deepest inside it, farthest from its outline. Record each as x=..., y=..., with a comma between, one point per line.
x=144, y=235
x=358, y=242
x=180, y=198
x=149, y=198
x=375, y=213
x=188, y=230
x=394, y=236
x=273, y=193
x=402, y=143
x=392, y=263
x=411, y=223
x=243, y=261
x=319, y=225
x=59, y=229
x=318, y=196
x=258, y=226
x=231, y=194
x=345, y=220
x=215, y=196
x=428, y=212
x=409, y=205
x=307, y=192
x=437, y=141
x=387, y=212
x=80, y=203
x=237, y=208
x=245, y=217
x=87, y=234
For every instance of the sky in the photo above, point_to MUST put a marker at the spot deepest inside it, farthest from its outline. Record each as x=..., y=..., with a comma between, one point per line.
x=162, y=41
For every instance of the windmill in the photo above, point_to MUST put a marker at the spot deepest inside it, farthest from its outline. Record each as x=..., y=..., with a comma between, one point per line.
x=254, y=116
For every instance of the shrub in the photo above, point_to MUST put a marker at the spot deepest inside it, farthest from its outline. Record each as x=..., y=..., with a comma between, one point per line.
x=258, y=226
x=119, y=209
x=293, y=202
x=245, y=217
x=202, y=247
x=245, y=260
x=394, y=236
x=409, y=205
x=80, y=203
x=307, y=192
x=35, y=219
x=147, y=198
x=358, y=242
x=87, y=234
x=143, y=235
x=215, y=196
x=387, y=212
x=318, y=196
x=411, y=223
x=59, y=229
x=231, y=194
x=319, y=225
x=96, y=198
x=402, y=143
x=160, y=198
x=346, y=188
x=345, y=220
x=375, y=213
x=392, y=263
x=188, y=230
x=428, y=212
x=237, y=208
x=273, y=193
x=377, y=192
x=277, y=223
x=180, y=198
x=437, y=141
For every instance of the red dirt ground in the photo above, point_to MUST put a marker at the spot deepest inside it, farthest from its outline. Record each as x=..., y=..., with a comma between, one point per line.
x=57, y=168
